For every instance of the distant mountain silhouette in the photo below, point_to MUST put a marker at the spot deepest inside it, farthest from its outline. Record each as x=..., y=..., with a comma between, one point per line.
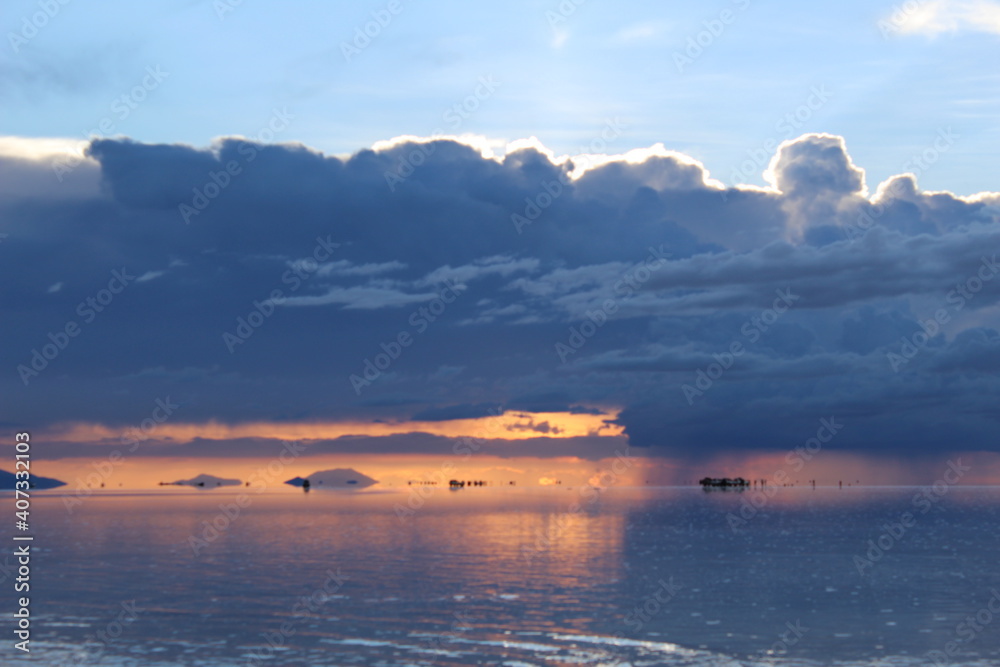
x=338, y=478
x=204, y=482
x=7, y=480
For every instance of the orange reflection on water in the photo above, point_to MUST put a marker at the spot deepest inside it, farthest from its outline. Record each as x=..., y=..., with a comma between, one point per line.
x=480, y=544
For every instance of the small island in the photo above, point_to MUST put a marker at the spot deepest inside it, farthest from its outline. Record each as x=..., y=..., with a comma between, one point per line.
x=337, y=478
x=8, y=480
x=204, y=482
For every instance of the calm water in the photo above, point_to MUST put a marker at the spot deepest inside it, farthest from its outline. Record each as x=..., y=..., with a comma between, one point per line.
x=515, y=577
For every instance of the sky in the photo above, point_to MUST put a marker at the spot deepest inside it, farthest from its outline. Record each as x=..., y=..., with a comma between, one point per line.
x=522, y=239
x=718, y=82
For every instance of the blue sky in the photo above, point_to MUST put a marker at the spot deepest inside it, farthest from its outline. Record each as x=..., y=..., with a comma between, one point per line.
x=562, y=75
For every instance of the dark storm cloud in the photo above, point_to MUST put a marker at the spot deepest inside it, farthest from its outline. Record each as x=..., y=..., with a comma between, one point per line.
x=882, y=264
x=252, y=282
x=449, y=412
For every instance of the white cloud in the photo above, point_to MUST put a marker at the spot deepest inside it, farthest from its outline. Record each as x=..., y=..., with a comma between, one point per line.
x=360, y=298
x=487, y=266
x=938, y=16
x=149, y=275
x=31, y=148
x=345, y=267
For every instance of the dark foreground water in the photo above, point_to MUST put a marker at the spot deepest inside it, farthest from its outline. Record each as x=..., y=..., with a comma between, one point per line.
x=514, y=577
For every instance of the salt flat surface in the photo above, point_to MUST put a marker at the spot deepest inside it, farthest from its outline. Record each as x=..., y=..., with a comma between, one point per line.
x=519, y=577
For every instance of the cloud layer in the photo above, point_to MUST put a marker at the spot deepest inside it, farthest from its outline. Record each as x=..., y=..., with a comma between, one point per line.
x=425, y=280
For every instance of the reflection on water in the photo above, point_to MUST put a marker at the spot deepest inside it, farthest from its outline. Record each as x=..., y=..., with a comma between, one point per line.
x=629, y=576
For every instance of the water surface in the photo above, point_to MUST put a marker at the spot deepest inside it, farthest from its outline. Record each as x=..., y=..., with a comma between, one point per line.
x=517, y=577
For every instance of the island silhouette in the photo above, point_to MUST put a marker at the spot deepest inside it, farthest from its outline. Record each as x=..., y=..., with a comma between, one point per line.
x=8, y=479
x=337, y=478
x=204, y=481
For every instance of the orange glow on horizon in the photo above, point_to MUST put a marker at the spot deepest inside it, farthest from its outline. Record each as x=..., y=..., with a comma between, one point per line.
x=508, y=426
x=392, y=471
x=396, y=471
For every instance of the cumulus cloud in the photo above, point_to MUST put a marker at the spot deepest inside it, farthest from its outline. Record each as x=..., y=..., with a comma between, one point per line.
x=641, y=265
x=818, y=181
